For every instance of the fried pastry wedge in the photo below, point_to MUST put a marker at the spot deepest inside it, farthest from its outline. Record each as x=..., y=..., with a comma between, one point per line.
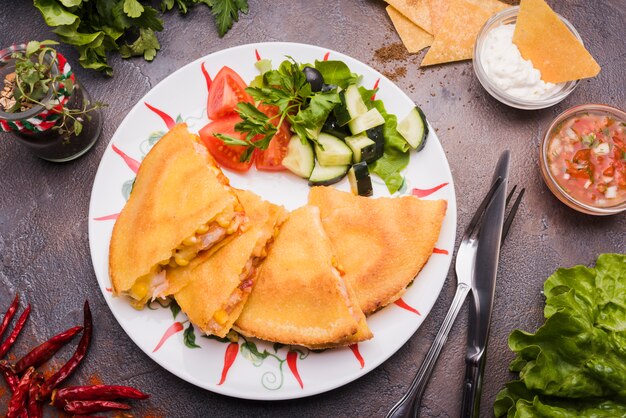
x=181, y=204
x=215, y=286
x=300, y=296
x=382, y=243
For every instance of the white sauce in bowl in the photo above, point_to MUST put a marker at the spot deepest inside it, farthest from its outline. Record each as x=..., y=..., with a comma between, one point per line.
x=509, y=71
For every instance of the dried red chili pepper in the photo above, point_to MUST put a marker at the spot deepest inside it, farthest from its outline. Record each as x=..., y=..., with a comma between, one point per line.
x=100, y=392
x=8, y=343
x=8, y=316
x=17, y=404
x=39, y=355
x=292, y=358
x=88, y=407
x=229, y=358
x=71, y=365
x=9, y=375
x=35, y=407
x=173, y=329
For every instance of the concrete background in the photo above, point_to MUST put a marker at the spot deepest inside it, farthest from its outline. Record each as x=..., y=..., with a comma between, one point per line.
x=44, y=253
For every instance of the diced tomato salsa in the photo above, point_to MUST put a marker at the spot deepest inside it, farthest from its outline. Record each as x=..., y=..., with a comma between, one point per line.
x=587, y=158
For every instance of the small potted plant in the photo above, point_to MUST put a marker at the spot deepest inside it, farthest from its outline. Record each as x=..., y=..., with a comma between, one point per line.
x=43, y=105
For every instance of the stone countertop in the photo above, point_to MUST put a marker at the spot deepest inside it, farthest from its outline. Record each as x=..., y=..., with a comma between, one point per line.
x=44, y=248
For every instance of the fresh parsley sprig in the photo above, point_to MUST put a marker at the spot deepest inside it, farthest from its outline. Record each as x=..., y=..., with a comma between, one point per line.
x=287, y=89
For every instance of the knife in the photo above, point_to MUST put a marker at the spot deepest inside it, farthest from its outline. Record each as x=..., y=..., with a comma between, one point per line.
x=483, y=289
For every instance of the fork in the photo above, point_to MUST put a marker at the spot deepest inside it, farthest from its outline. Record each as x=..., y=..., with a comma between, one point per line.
x=408, y=405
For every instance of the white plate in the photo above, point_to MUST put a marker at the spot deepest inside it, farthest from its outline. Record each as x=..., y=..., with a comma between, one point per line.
x=183, y=95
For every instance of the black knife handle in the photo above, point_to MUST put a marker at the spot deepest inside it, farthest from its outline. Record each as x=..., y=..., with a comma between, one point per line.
x=473, y=387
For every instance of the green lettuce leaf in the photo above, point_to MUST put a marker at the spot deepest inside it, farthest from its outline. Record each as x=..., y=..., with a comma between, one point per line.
x=337, y=73
x=575, y=364
x=396, y=153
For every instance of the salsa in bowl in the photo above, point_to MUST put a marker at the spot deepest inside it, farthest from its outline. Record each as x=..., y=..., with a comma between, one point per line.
x=583, y=159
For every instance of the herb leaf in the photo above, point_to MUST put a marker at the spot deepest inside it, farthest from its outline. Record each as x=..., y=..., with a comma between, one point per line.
x=189, y=337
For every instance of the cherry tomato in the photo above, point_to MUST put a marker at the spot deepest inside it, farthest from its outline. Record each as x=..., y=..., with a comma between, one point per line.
x=226, y=91
x=227, y=156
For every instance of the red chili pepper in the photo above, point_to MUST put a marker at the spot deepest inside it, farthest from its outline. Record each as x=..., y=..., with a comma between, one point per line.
x=39, y=355
x=71, y=365
x=8, y=316
x=35, y=407
x=88, y=407
x=9, y=375
x=229, y=358
x=18, y=400
x=100, y=392
x=292, y=358
x=8, y=343
x=173, y=329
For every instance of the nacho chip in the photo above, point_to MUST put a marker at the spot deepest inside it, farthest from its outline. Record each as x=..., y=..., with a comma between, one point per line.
x=544, y=39
x=455, y=40
x=438, y=10
x=413, y=37
x=415, y=10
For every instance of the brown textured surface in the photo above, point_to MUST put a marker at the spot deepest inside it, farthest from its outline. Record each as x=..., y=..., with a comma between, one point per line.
x=44, y=250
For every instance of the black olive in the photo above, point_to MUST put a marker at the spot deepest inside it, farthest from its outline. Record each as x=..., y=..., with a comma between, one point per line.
x=328, y=87
x=314, y=78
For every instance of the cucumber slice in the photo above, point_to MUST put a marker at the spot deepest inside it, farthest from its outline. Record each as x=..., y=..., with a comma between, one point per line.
x=331, y=151
x=376, y=135
x=332, y=127
x=368, y=120
x=300, y=158
x=414, y=128
x=363, y=148
x=327, y=175
x=360, y=180
x=352, y=105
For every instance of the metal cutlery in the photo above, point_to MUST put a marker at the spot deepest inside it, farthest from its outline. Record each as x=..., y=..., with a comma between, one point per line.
x=483, y=285
x=465, y=266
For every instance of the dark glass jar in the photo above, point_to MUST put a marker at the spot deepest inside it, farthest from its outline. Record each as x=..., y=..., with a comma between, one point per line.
x=48, y=144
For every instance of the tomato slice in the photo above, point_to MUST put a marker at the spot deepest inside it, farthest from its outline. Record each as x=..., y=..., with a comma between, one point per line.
x=271, y=159
x=226, y=91
x=227, y=156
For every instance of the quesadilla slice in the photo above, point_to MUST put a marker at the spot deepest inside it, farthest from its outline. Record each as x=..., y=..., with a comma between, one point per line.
x=382, y=244
x=300, y=296
x=181, y=204
x=213, y=289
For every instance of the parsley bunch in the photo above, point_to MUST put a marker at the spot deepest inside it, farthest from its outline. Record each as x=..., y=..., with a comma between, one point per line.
x=287, y=89
x=97, y=27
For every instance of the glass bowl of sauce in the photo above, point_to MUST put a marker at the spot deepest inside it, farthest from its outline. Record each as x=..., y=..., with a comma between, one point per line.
x=583, y=159
x=505, y=74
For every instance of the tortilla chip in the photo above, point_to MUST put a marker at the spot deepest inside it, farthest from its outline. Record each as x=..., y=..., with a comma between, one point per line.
x=544, y=39
x=414, y=10
x=457, y=35
x=437, y=10
x=413, y=37
x=456, y=38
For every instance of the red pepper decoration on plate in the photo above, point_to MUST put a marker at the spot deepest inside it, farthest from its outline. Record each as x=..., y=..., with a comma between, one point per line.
x=292, y=358
x=173, y=329
x=229, y=358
